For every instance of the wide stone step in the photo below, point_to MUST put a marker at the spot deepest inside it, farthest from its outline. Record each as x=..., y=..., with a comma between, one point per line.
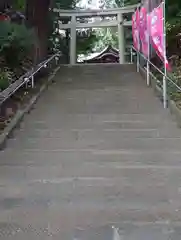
x=113, y=199
x=54, y=144
x=88, y=134
x=129, y=231
x=75, y=108
x=97, y=118
x=125, y=194
x=76, y=158
x=81, y=124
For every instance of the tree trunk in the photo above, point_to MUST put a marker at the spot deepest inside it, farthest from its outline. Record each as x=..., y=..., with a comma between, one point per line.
x=5, y=4
x=37, y=15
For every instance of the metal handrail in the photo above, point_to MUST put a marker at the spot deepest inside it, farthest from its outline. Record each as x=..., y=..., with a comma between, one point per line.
x=148, y=61
x=158, y=69
x=26, y=78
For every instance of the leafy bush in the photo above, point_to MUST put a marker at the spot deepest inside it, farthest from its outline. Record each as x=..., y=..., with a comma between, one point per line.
x=16, y=42
x=5, y=78
x=175, y=75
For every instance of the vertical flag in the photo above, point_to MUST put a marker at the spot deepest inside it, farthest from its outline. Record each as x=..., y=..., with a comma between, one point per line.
x=156, y=21
x=143, y=30
x=148, y=28
x=135, y=30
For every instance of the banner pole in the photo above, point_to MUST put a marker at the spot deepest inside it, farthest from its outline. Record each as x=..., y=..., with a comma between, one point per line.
x=148, y=72
x=165, y=64
x=148, y=58
x=137, y=50
x=138, y=62
x=131, y=52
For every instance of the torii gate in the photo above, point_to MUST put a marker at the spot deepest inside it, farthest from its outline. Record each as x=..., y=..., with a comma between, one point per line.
x=74, y=24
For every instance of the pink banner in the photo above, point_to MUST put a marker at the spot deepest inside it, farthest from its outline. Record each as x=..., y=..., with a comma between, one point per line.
x=135, y=30
x=155, y=20
x=143, y=31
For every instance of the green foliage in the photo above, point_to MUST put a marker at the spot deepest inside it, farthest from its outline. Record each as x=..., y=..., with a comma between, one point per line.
x=19, y=5
x=118, y=3
x=5, y=78
x=61, y=42
x=16, y=42
x=110, y=36
x=66, y=4
x=176, y=73
x=58, y=42
x=125, y=2
x=86, y=41
x=106, y=37
x=173, y=24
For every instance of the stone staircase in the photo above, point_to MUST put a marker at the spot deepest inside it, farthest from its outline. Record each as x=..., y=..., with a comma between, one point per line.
x=98, y=150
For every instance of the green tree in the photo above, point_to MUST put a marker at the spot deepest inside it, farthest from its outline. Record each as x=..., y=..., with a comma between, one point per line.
x=106, y=37
x=37, y=15
x=85, y=37
x=173, y=26
x=5, y=4
x=110, y=36
x=86, y=41
x=19, y=5
x=118, y=3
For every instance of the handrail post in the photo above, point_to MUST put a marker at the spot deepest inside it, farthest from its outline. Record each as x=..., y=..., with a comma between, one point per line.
x=138, y=62
x=131, y=52
x=26, y=82
x=32, y=82
x=164, y=91
x=56, y=60
x=165, y=58
x=148, y=73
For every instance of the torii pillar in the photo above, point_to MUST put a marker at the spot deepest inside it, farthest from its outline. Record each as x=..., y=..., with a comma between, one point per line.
x=121, y=38
x=73, y=57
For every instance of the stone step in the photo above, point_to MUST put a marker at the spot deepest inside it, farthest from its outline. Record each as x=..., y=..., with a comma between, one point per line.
x=97, y=118
x=93, y=134
x=102, y=108
x=150, y=231
x=54, y=144
x=97, y=68
x=127, y=193
x=111, y=199
x=102, y=173
x=129, y=231
x=97, y=125
x=76, y=158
